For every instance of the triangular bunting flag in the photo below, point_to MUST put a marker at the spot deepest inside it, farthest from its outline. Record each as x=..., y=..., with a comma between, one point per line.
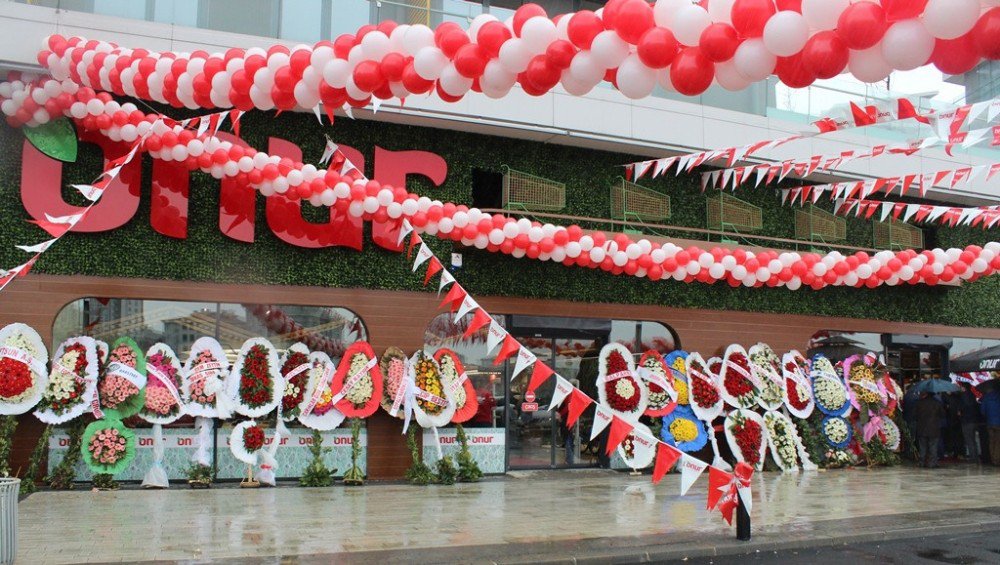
x=666, y=456
x=718, y=483
x=561, y=392
x=539, y=374
x=578, y=402
x=479, y=319
x=467, y=305
x=38, y=247
x=691, y=469
x=404, y=230
x=510, y=347
x=433, y=268
x=446, y=279
x=495, y=336
x=525, y=359
x=617, y=434
x=423, y=255
x=602, y=419
x=454, y=297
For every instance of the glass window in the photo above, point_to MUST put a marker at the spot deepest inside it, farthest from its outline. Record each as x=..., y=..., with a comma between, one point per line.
x=250, y=17
x=177, y=12
x=301, y=21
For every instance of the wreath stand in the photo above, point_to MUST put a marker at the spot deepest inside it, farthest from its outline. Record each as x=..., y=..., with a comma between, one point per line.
x=248, y=481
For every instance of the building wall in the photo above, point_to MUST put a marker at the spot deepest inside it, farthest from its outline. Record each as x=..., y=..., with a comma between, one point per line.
x=398, y=318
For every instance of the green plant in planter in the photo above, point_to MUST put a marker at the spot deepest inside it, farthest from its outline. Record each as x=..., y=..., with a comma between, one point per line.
x=317, y=474
x=354, y=476
x=468, y=470
x=34, y=464
x=64, y=473
x=7, y=425
x=418, y=473
x=446, y=472
x=200, y=476
x=105, y=481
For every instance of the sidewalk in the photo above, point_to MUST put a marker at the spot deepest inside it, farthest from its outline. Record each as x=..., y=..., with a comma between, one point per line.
x=526, y=517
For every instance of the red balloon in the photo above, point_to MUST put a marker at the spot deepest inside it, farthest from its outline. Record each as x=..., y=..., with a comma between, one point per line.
x=284, y=80
x=956, y=56
x=719, y=42
x=862, y=25
x=903, y=9
x=691, y=72
x=470, y=61
x=492, y=36
x=367, y=76
x=987, y=34
x=540, y=74
x=750, y=16
x=610, y=13
x=447, y=97
x=442, y=30
x=452, y=41
x=392, y=66
x=299, y=61
x=657, y=48
x=560, y=54
x=414, y=82
x=825, y=54
x=341, y=46
x=583, y=27
x=525, y=13
x=793, y=73
x=790, y=5
x=634, y=18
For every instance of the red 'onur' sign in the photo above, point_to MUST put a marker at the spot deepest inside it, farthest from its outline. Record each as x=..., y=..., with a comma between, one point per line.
x=42, y=185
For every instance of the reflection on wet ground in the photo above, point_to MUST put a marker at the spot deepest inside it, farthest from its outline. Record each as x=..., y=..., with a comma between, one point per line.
x=528, y=507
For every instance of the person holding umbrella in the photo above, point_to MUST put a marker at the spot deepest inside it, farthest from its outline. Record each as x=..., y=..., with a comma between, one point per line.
x=991, y=411
x=929, y=414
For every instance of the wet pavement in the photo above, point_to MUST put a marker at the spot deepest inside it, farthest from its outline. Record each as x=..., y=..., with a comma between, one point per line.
x=525, y=517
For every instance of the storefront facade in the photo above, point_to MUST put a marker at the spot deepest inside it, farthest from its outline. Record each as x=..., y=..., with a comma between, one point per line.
x=175, y=256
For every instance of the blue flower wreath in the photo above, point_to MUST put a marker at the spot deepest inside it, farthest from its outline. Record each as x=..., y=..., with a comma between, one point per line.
x=669, y=359
x=684, y=413
x=829, y=441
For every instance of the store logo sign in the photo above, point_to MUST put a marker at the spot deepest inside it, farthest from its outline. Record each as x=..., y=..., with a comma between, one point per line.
x=42, y=187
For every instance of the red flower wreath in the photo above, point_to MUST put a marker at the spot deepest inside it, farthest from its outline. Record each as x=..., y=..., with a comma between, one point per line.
x=253, y=438
x=467, y=409
x=370, y=404
x=255, y=377
x=748, y=437
x=299, y=382
x=617, y=364
x=736, y=384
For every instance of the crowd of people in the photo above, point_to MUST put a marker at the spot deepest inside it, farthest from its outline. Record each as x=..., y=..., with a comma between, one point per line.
x=956, y=426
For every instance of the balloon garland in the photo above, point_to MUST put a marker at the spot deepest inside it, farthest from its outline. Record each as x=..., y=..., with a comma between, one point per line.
x=683, y=47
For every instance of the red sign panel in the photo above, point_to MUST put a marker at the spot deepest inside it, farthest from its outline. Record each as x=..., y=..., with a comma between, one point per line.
x=529, y=407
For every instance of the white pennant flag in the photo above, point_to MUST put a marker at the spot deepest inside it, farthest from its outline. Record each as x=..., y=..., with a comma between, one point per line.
x=89, y=192
x=349, y=111
x=468, y=305
x=994, y=110
x=936, y=213
x=404, y=230
x=423, y=255
x=726, y=175
x=72, y=219
x=446, y=279
x=911, y=209
x=562, y=390
x=691, y=469
x=202, y=125
x=495, y=336
x=602, y=419
x=319, y=116
x=525, y=359
x=974, y=137
x=38, y=247
x=663, y=165
x=886, y=209
x=376, y=104
x=837, y=205
x=975, y=174
x=328, y=151
x=761, y=173
x=976, y=110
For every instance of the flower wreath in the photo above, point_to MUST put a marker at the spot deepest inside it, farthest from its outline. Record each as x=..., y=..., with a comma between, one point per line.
x=894, y=393
x=836, y=431
x=782, y=434
x=102, y=354
x=204, y=372
x=706, y=400
x=358, y=382
x=395, y=367
x=617, y=387
x=459, y=385
x=107, y=446
x=163, y=403
x=829, y=393
x=798, y=389
x=432, y=406
x=255, y=379
x=765, y=362
x=72, y=381
x=891, y=434
x=121, y=387
x=661, y=398
x=863, y=387
x=295, y=371
x=683, y=430
x=746, y=434
x=246, y=441
x=677, y=365
x=638, y=449
x=738, y=383
x=319, y=412
x=23, y=369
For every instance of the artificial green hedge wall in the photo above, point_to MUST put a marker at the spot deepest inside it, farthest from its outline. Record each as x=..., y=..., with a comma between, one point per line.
x=135, y=250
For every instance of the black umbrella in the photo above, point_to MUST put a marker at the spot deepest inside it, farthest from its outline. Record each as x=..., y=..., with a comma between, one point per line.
x=836, y=348
x=983, y=360
x=987, y=386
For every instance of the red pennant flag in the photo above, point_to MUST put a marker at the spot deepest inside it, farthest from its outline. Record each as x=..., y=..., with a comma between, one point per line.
x=539, y=375
x=826, y=125
x=718, y=480
x=509, y=347
x=479, y=319
x=619, y=430
x=432, y=269
x=55, y=230
x=456, y=294
x=666, y=457
x=906, y=110
x=628, y=171
x=863, y=116
x=578, y=402
x=234, y=118
x=897, y=209
x=414, y=241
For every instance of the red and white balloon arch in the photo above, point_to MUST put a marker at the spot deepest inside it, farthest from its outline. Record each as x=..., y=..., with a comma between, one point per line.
x=633, y=44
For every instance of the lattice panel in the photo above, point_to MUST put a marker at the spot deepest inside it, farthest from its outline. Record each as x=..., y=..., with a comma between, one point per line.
x=815, y=224
x=525, y=191
x=730, y=213
x=893, y=234
x=630, y=201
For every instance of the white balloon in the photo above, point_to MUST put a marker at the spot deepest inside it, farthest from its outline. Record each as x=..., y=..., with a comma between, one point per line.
x=597, y=254
x=949, y=19
x=740, y=272
x=477, y=23
x=535, y=234
x=573, y=86
x=717, y=271
x=869, y=65
x=721, y=10
x=635, y=80
x=585, y=69
x=753, y=60
x=375, y=45
x=823, y=14
x=786, y=33
x=608, y=49
x=306, y=97
x=335, y=73
x=907, y=45
x=453, y=82
x=688, y=24
x=794, y=284
x=573, y=249
x=495, y=76
x=396, y=38
x=514, y=56
x=562, y=28
x=729, y=77
x=429, y=62
x=586, y=243
x=417, y=37
x=496, y=237
x=537, y=33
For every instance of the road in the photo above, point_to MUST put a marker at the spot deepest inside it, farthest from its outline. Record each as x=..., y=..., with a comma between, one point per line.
x=968, y=549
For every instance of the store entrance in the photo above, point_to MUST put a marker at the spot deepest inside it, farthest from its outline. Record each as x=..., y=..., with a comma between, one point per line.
x=537, y=438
